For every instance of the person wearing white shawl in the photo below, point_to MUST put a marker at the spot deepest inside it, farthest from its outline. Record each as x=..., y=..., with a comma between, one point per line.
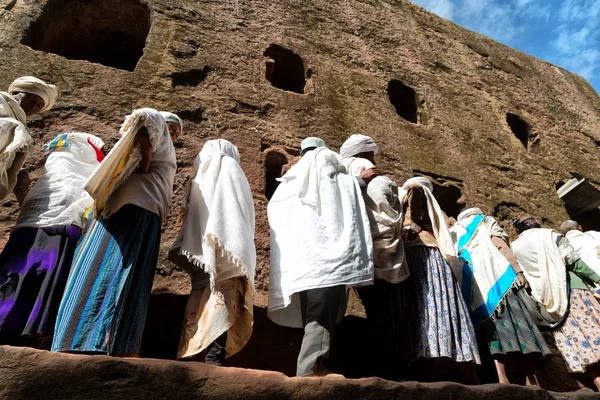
x=26, y=96
x=586, y=244
x=320, y=245
x=438, y=325
x=35, y=263
x=490, y=281
x=174, y=123
x=106, y=300
x=380, y=193
x=358, y=156
x=215, y=245
x=552, y=267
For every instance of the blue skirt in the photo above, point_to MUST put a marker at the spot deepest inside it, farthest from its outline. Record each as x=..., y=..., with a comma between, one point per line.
x=106, y=300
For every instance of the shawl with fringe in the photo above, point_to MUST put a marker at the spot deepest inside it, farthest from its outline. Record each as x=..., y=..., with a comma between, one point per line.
x=215, y=245
x=486, y=275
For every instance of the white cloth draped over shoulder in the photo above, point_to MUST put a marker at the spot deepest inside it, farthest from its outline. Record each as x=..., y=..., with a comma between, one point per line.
x=320, y=235
x=116, y=182
x=58, y=197
x=15, y=142
x=444, y=240
x=385, y=218
x=486, y=275
x=587, y=246
x=544, y=267
x=215, y=245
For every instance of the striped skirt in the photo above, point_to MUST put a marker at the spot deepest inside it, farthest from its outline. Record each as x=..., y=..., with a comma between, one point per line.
x=510, y=329
x=438, y=324
x=106, y=300
x=34, y=267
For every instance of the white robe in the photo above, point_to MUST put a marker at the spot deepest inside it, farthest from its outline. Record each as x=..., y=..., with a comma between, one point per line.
x=320, y=235
x=587, y=246
x=15, y=143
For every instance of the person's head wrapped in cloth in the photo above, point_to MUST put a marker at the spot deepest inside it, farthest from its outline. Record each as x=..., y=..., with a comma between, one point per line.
x=361, y=146
x=311, y=143
x=33, y=94
x=524, y=223
x=174, y=123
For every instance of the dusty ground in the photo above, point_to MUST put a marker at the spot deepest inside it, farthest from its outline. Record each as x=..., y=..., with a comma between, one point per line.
x=204, y=60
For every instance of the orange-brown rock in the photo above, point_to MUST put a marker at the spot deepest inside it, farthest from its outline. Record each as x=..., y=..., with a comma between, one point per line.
x=31, y=374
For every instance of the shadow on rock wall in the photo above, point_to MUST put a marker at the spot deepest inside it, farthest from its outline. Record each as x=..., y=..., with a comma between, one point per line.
x=356, y=352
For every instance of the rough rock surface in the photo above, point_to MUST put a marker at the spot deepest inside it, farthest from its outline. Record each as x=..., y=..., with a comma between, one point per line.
x=205, y=61
x=29, y=374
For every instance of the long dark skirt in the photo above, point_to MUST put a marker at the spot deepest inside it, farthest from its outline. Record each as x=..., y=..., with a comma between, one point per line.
x=106, y=300
x=438, y=324
x=511, y=330
x=34, y=267
x=383, y=304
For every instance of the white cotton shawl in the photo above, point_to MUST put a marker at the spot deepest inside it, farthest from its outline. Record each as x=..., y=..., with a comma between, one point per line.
x=219, y=216
x=354, y=165
x=385, y=217
x=487, y=275
x=217, y=240
x=544, y=267
x=115, y=182
x=383, y=208
x=320, y=234
x=357, y=144
x=587, y=247
x=436, y=215
x=15, y=142
x=58, y=197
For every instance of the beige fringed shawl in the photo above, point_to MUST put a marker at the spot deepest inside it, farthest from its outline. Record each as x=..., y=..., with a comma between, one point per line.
x=216, y=247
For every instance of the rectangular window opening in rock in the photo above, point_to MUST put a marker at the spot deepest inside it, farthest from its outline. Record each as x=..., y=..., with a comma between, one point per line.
x=108, y=32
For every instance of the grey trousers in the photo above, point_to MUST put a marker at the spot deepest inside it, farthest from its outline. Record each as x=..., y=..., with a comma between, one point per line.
x=320, y=310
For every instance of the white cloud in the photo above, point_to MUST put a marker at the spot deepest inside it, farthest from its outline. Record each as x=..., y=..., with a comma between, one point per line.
x=443, y=8
x=577, y=37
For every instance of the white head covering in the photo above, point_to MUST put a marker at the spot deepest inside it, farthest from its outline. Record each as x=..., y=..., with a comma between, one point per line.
x=420, y=181
x=170, y=117
x=33, y=85
x=217, y=146
x=312, y=142
x=356, y=144
x=469, y=212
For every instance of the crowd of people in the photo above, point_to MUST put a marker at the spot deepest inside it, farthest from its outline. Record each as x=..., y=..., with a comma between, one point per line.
x=79, y=264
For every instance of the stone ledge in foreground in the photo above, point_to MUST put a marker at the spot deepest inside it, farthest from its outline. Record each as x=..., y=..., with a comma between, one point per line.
x=31, y=374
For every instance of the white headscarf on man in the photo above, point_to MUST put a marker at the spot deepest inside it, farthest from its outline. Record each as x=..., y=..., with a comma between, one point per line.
x=33, y=85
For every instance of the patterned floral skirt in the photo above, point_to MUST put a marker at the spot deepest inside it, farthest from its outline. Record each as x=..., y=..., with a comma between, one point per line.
x=511, y=329
x=436, y=316
x=579, y=338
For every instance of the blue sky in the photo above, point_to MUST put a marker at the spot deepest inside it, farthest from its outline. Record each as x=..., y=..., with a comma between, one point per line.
x=563, y=32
